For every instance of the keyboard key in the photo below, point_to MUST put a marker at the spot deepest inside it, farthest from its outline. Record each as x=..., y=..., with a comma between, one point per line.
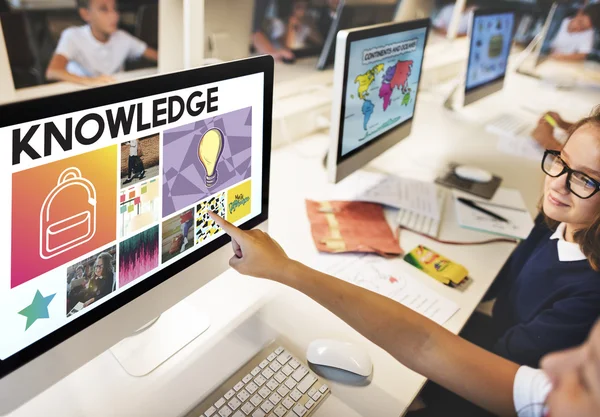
x=272, y=384
x=229, y=394
x=317, y=396
x=309, y=404
x=300, y=410
x=263, y=364
x=247, y=408
x=251, y=388
x=323, y=389
x=247, y=379
x=280, y=411
x=287, y=370
x=238, y=414
x=294, y=364
x=295, y=395
x=267, y=406
x=225, y=411
x=257, y=399
x=264, y=392
x=258, y=413
x=238, y=386
x=275, y=366
x=280, y=377
x=243, y=395
x=255, y=371
x=290, y=383
x=312, y=392
x=275, y=398
x=278, y=350
x=234, y=404
x=267, y=373
x=284, y=358
x=283, y=391
x=291, y=414
x=288, y=403
x=211, y=411
x=220, y=403
x=260, y=380
x=272, y=357
x=306, y=383
x=300, y=373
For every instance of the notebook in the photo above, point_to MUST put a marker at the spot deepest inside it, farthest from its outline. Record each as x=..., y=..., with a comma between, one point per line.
x=507, y=203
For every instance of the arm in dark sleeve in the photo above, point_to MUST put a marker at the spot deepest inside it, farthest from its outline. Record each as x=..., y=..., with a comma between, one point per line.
x=563, y=326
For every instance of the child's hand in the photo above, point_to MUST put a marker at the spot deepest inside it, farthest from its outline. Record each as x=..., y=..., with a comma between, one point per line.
x=99, y=80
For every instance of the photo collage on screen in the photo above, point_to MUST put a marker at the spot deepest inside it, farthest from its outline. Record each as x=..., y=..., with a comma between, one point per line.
x=113, y=216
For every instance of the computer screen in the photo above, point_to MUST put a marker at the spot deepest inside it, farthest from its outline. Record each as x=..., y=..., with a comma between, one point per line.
x=107, y=193
x=491, y=40
x=381, y=88
x=376, y=85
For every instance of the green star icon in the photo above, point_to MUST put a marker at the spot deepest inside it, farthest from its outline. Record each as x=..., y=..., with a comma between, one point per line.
x=38, y=309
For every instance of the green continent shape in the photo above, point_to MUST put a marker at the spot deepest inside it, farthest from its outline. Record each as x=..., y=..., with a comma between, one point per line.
x=406, y=99
x=365, y=80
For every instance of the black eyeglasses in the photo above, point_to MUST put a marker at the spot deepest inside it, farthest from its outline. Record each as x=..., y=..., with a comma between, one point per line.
x=580, y=184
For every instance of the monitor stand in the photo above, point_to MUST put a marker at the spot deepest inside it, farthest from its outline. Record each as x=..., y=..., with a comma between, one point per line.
x=154, y=343
x=453, y=99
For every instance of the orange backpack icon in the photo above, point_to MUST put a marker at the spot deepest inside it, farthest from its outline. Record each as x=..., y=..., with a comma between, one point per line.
x=60, y=235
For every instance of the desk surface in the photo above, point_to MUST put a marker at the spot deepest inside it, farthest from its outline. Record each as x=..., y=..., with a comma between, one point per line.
x=257, y=311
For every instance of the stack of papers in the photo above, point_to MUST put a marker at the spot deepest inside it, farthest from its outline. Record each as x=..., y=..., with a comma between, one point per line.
x=507, y=203
x=420, y=203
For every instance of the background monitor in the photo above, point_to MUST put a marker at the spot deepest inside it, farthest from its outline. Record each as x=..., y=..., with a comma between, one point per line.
x=376, y=83
x=491, y=35
x=109, y=190
x=352, y=14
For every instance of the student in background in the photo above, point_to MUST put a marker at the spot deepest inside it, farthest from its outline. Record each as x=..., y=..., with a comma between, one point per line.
x=442, y=21
x=575, y=38
x=92, y=53
x=544, y=132
x=269, y=28
x=568, y=385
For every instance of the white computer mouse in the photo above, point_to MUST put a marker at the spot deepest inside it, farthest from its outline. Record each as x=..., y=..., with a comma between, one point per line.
x=340, y=355
x=471, y=173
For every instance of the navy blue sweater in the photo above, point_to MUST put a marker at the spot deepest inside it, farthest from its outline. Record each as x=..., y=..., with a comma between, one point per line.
x=542, y=304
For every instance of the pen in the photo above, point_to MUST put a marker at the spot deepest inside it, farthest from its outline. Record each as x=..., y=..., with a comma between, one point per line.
x=550, y=120
x=472, y=204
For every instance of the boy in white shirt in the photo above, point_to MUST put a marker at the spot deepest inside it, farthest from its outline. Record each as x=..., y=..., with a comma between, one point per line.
x=90, y=54
x=575, y=38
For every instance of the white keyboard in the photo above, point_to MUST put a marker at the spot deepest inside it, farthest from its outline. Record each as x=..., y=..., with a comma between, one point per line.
x=272, y=384
x=421, y=223
x=507, y=124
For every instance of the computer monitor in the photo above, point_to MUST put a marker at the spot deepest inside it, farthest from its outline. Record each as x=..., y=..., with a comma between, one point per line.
x=351, y=14
x=490, y=36
x=533, y=55
x=376, y=83
x=107, y=193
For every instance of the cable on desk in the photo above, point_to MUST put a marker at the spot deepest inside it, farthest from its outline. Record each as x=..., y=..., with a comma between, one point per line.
x=451, y=242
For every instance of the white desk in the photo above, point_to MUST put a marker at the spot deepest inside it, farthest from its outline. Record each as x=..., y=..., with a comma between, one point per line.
x=65, y=87
x=246, y=313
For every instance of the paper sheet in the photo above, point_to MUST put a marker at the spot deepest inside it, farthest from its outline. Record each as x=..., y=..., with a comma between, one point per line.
x=403, y=193
x=519, y=223
x=521, y=146
x=387, y=278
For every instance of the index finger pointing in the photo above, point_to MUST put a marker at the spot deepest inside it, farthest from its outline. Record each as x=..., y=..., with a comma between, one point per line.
x=229, y=228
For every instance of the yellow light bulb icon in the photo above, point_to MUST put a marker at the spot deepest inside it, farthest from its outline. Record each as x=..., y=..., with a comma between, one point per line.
x=209, y=152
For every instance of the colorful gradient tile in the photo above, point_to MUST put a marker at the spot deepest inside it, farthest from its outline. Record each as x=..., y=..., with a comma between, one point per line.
x=61, y=211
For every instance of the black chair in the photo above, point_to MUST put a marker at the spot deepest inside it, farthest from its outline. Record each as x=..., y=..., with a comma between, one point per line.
x=146, y=26
x=24, y=64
